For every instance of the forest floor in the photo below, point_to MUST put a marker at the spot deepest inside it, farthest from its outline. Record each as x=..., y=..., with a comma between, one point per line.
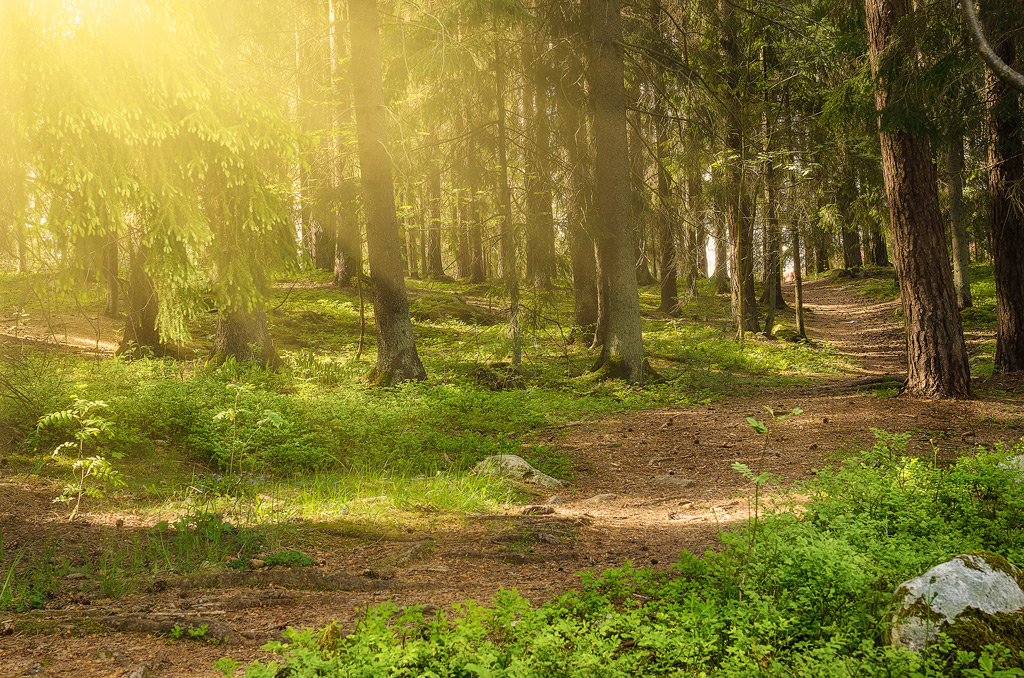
x=647, y=485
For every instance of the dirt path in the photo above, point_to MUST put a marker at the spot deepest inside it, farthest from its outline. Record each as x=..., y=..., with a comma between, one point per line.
x=647, y=485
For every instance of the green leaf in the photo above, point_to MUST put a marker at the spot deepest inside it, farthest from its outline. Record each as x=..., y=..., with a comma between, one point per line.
x=757, y=426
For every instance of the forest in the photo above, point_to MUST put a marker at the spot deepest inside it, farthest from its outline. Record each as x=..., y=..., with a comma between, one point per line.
x=511, y=338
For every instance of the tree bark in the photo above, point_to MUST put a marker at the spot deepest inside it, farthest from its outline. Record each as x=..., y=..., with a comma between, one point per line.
x=622, y=355
x=936, y=353
x=507, y=237
x=539, y=211
x=739, y=211
x=397, y=359
x=957, y=222
x=243, y=336
x=140, y=332
x=638, y=203
x=435, y=267
x=721, y=275
x=111, y=267
x=1006, y=188
x=348, y=258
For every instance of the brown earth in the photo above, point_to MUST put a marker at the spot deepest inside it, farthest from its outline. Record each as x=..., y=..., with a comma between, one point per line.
x=647, y=485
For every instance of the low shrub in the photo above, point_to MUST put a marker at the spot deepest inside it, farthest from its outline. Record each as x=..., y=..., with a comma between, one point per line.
x=805, y=594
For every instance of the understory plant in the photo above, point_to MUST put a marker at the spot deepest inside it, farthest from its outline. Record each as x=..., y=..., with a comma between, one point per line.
x=88, y=471
x=816, y=593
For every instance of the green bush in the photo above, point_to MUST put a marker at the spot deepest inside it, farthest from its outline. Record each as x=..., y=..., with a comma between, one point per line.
x=807, y=594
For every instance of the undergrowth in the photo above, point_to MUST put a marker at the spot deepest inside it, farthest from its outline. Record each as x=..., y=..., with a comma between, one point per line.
x=808, y=594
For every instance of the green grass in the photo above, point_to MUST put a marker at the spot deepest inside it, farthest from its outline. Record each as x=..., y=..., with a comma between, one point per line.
x=330, y=419
x=802, y=590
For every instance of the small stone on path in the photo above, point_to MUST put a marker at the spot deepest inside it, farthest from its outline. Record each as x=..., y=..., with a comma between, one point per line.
x=672, y=480
x=601, y=498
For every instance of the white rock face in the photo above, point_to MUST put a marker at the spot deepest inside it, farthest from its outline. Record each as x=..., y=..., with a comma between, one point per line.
x=513, y=466
x=946, y=591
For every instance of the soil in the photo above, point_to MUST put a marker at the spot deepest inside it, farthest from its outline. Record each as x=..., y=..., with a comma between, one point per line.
x=647, y=485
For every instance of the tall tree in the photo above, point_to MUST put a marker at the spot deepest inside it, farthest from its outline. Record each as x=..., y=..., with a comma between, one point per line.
x=739, y=210
x=1006, y=188
x=622, y=354
x=936, y=353
x=397, y=359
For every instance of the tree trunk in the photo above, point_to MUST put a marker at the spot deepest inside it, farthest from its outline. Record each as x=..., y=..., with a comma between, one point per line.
x=721, y=276
x=957, y=222
x=435, y=267
x=110, y=275
x=638, y=204
x=507, y=236
x=936, y=354
x=845, y=197
x=693, y=242
x=575, y=133
x=540, y=224
x=348, y=242
x=140, y=333
x=739, y=211
x=243, y=336
x=622, y=355
x=1006, y=188
x=397, y=359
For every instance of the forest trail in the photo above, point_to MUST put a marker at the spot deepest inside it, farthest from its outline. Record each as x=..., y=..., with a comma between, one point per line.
x=646, y=485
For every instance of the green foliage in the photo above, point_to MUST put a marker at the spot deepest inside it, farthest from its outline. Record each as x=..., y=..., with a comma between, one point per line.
x=29, y=585
x=814, y=593
x=85, y=427
x=288, y=559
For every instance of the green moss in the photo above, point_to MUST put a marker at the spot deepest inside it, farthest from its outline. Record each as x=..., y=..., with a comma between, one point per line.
x=973, y=629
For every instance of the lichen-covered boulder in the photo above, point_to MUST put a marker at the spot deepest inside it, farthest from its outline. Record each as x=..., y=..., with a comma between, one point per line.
x=517, y=468
x=976, y=599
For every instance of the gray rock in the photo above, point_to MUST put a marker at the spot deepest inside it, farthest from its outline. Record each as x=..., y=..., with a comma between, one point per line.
x=517, y=468
x=556, y=499
x=601, y=499
x=932, y=603
x=674, y=480
x=1014, y=465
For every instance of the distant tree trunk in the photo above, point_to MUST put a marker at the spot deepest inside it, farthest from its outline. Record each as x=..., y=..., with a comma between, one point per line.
x=20, y=237
x=957, y=222
x=622, y=355
x=739, y=210
x=798, y=278
x=397, y=359
x=575, y=133
x=348, y=242
x=773, y=234
x=638, y=204
x=845, y=197
x=822, y=254
x=1006, y=188
x=110, y=275
x=411, y=245
x=881, y=254
x=140, y=332
x=477, y=272
x=721, y=275
x=435, y=267
x=936, y=353
x=773, y=263
x=693, y=243
x=243, y=336
x=424, y=212
x=539, y=211
x=507, y=236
